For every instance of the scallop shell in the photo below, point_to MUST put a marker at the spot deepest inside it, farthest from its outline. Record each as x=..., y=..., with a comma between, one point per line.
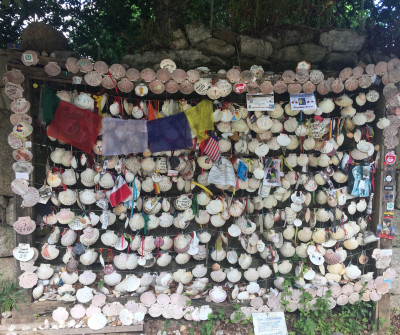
x=87, y=277
x=69, y=278
x=217, y=294
x=97, y=321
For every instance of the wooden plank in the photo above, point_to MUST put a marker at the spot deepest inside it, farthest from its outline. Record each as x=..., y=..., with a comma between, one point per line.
x=384, y=314
x=382, y=311
x=43, y=60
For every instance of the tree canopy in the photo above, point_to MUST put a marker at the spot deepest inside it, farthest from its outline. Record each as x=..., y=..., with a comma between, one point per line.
x=108, y=29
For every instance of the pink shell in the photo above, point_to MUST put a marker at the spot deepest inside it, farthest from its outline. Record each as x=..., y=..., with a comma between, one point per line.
x=351, y=84
x=77, y=312
x=19, y=186
x=172, y=87
x=133, y=74
x=233, y=75
x=72, y=65
x=332, y=257
x=99, y=300
x=163, y=299
x=132, y=306
x=147, y=75
x=22, y=155
x=18, y=118
x=308, y=87
x=14, y=76
x=148, y=298
x=342, y=300
x=346, y=73
x=266, y=87
x=157, y=87
x=92, y=310
x=253, y=88
x=280, y=87
x=93, y=78
x=20, y=106
x=179, y=75
x=348, y=289
x=186, y=87
x=193, y=76
x=125, y=85
x=321, y=88
x=14, y=141
x=13, y=91
x=100, y=67
x=28, y=280
x=107, y=82
x=117, y=71
x=34, y=58
x=52, y=69
x=337, y=86
x=31, y=198
x=85, y=65
x=163, y=75
x=24, y=225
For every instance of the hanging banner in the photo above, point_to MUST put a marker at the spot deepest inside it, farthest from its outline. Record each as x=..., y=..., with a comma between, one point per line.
x=303, y=101
x=260, y=102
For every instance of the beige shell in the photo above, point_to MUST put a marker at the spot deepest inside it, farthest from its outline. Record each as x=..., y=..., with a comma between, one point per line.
x=344, y=101
x=305, y=234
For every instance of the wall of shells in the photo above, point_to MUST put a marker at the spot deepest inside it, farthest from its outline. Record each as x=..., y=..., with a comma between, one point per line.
x=202, y=240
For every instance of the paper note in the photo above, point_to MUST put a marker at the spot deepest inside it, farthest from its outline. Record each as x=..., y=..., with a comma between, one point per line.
x=222, y=173
x=272, y=323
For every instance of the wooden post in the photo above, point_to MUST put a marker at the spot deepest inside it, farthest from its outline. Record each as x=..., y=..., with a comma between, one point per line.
x=382, y=312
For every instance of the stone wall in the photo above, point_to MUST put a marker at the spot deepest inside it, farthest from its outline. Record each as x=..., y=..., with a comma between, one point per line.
x=276, y=51
x=7, y=206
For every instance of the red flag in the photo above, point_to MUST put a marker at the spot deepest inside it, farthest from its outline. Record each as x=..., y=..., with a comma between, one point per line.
x=75, y=126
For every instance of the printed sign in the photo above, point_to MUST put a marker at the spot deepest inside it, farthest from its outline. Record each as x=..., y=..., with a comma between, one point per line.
x=303, y=101
x=390, y=158
x=272, y=323
x=390, y=206
x=260, y=102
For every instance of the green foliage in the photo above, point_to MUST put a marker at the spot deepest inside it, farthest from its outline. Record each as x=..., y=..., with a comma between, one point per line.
x=108, y=29
x=316, y=318
x=10, y=295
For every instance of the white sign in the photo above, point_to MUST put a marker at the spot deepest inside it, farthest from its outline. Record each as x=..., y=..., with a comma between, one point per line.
x=303, y=101
x=260, y=102
x=22, y=175
x=272, y=323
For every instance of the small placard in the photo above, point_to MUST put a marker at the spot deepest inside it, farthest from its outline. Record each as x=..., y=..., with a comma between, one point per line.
x=28, y=58
x=272, y=323
x=22, y=175
x=28, y=144
x=303, y=101
x=390, y=206
x=388, y=188
x=260, y=102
